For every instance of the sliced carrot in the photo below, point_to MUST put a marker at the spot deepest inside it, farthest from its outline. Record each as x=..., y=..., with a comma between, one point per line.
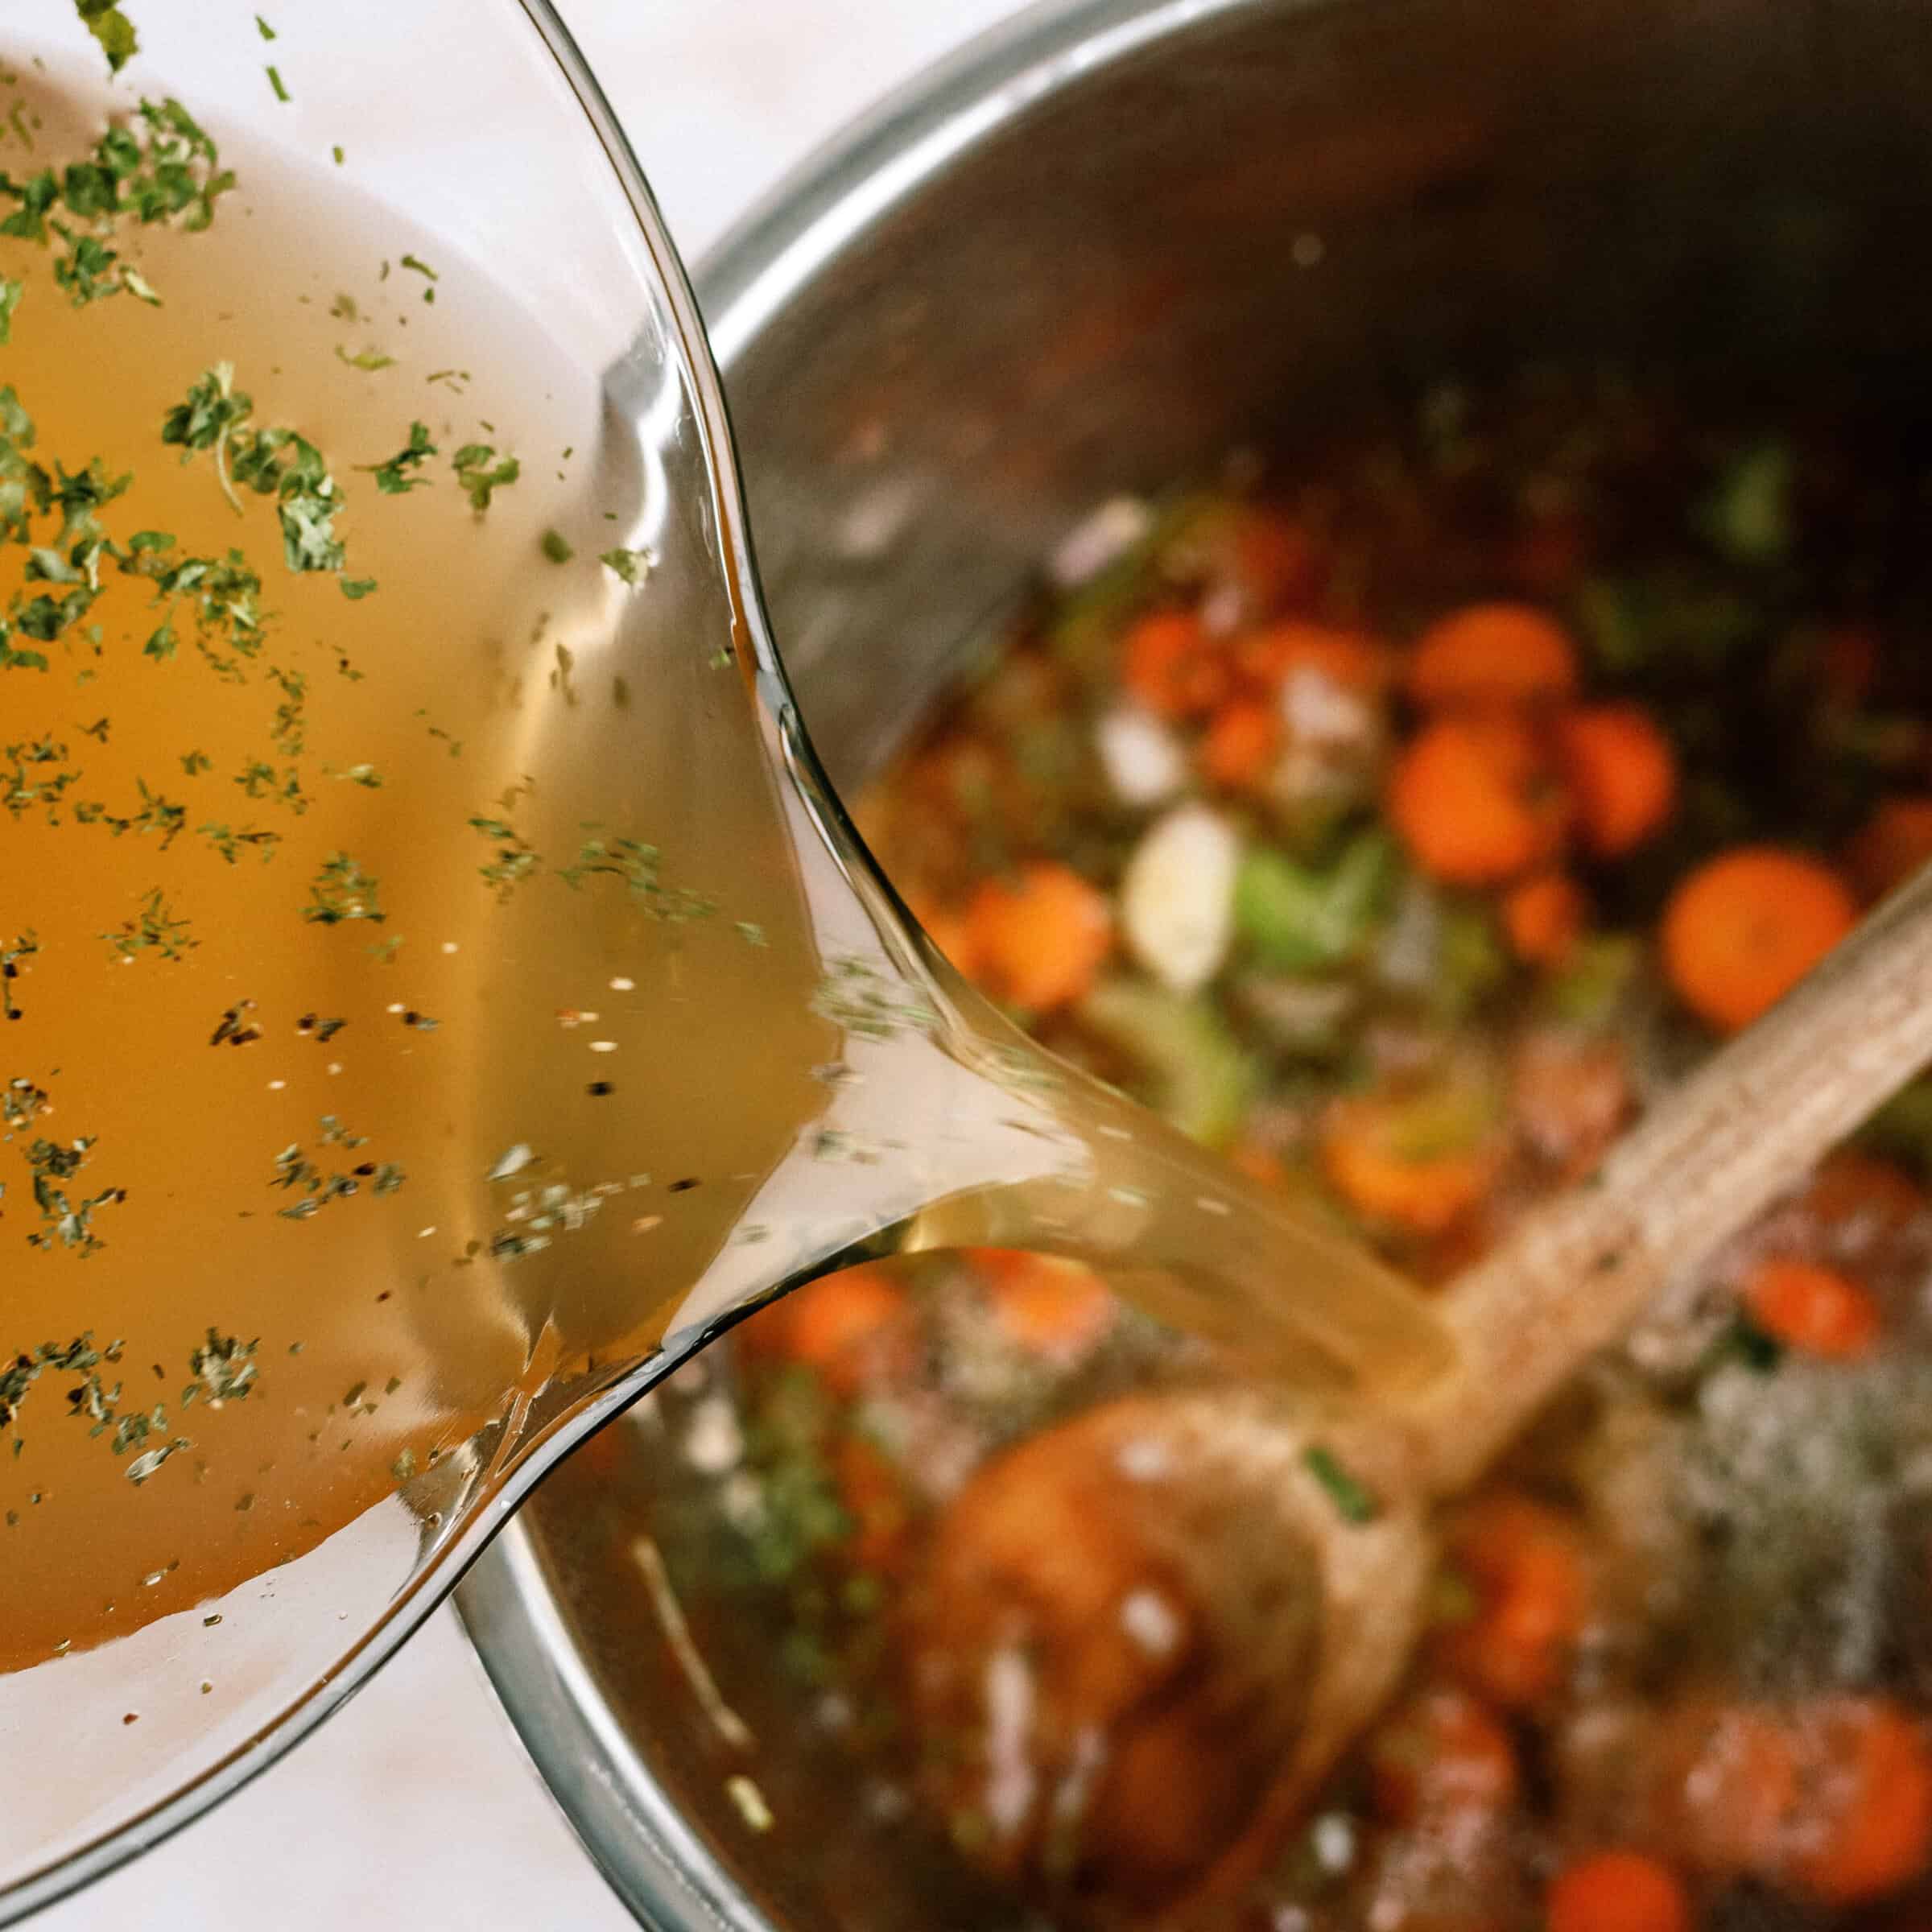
x=1173, y=667
x=850, y=1327
x=1833, y=1797
x=1348, y=658
x=1372, y=1158
x=1544, y=917
x=1441, y=1754
x=1259, y=1163
x=1472, y=802
x=1730, y=1780
x=1815, y=1310
x=1869, y=1829
x=1047, y=1305
x=1272, y=557
x=1745, y=927
x=1526, y=1563
x=1622, y=774
x=948, y=929
x=1491, y=655
x=1853, y=1187
x=1894, y=844
x=1617, y=1892
x=1039, y=940
x=1240, y=744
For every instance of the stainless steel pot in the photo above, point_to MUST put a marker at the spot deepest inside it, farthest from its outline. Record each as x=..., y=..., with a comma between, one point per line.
x=1090, y=255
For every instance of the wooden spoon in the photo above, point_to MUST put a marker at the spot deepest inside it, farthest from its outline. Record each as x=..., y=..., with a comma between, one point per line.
x=1158, y=1624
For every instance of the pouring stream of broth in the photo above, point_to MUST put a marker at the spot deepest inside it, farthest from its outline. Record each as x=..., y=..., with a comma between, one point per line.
x=413, y=1052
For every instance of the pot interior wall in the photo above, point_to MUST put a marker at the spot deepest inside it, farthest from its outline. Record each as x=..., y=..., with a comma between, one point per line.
x=1119, y=285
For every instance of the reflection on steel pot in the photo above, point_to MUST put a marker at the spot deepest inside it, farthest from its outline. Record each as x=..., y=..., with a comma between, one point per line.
x=1087, y=258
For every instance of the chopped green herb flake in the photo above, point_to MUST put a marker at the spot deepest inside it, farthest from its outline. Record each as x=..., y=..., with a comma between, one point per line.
x=274, y=80
x=68, y=1221
x=154, y=928
x=342, y=891
x=481, y=475
x=1354, y=1502
x=556, y=546
x=514, y=861
x=112, y=28
x=639, y=865
x=394, y=477
x=224, y=1369
x=633, y=566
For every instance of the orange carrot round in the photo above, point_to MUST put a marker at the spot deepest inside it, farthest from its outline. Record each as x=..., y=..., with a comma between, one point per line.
x=1893, y=845
x=948, y=929
x=1815, y=1310
x=1617, y=1892
x=1044, y=1304
x=1259, y=1163
x=850, y=1327
x=1622, y=775
x=1472, y=803
x=1544, y=919
x=1868, y=1827
x=1271, y=558
x=1241, y=743
x=1366, y=1158
x=1441, y=1754
x=1346, y=658
x=1526, y=1563
x=1172, y=665
x=1729, y=1779
x=1744, y=929
x=1854, y=1188
x=1833, y=1797
x=1039, y=940
x=1491, y=655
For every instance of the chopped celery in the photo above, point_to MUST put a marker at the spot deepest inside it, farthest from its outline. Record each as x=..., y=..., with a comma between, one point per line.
x=1599, y=972
x=1447, y=1118
x=1471, y=961
x=1299, y=920
x=1197, y=1075
x=1748, y=516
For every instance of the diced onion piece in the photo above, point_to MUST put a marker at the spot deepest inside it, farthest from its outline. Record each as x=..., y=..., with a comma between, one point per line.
x=1099, y=540
x=1176, y=899
x=1143, y=761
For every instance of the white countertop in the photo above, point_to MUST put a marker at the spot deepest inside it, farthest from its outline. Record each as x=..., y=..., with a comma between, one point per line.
x=414, y=1808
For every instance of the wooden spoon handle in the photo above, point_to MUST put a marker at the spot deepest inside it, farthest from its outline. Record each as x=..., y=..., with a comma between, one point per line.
x=1739, y=1132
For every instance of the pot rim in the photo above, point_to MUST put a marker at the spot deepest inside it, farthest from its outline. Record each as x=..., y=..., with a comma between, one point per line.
x=659, y=1867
